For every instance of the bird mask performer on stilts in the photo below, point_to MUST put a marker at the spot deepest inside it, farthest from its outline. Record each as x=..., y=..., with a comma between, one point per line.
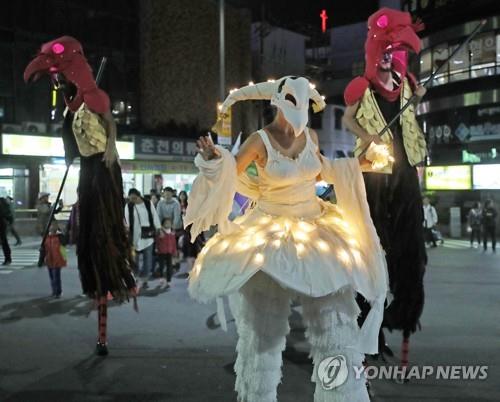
x=393, y=191
x=289, y=244
x=89, y=133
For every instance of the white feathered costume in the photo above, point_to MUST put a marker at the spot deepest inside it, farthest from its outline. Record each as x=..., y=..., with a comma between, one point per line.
x=290, y=245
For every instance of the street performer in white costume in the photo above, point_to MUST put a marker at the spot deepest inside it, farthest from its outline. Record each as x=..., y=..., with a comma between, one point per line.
x=290, y=244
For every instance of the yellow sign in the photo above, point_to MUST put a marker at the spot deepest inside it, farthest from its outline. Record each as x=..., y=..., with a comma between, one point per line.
x=448, y=177
x=37, y=145
x=224, y=128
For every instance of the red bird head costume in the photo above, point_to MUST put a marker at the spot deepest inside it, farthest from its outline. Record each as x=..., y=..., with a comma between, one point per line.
x=391, y=35
x=64, y=56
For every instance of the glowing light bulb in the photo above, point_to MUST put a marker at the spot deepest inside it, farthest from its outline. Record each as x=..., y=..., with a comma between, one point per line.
x=337, y=220
x=244, y=244
x=344, y=256
x=353, y=242
x=306, y=226
x=224, y=245
x=259, y=258
x=270, y=80
x=299, y=235
x=276, y=227
x=323, y=97
x=265, y=220
x=250, y=230
x=251, y=83
x=312, y=86
x=357, y=256
x=323, y=245
x=300, y=249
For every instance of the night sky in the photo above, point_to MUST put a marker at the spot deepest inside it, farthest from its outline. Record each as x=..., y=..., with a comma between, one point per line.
x=303, y=15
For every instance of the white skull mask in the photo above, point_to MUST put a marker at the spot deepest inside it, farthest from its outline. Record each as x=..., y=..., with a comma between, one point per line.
x=290, y=94
x=292, y=99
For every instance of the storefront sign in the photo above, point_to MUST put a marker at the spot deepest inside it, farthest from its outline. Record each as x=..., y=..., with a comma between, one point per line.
x=159, y=167
x=38, y=145
x=162, y=148
x=448, y=178
x=486, y=177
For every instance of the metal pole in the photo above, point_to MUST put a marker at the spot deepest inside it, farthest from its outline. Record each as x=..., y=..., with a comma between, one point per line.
x=222, y=64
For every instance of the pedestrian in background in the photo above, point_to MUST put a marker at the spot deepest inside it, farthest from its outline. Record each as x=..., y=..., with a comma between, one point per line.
x=166, y=244
x=55, y=257
x=430, y=221
x=474, y=219
x=143, y=223
x=183, y=201
x=489, y=217
x=169, y=207
x=11, y=228
x=4, y=224
x=43, y=209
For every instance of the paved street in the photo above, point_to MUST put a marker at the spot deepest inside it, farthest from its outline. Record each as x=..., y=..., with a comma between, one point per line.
x=172, y=349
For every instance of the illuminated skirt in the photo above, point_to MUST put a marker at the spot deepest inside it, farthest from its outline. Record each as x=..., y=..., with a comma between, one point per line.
x=314, y=256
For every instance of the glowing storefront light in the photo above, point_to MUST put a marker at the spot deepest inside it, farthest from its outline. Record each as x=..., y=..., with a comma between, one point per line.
x=36, y=145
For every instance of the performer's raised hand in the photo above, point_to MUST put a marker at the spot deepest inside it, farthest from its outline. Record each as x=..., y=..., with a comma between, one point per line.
x=207, y=149
x=420, y=91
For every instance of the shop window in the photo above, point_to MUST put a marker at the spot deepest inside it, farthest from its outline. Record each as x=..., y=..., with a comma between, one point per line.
x=439, y=56
x=459, y=64
x=425, y=63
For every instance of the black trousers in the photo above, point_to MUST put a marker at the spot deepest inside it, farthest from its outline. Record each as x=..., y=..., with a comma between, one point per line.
x=429, y=237
x=14, y=233
x=5, y=243
x=165, y=259
x=489, y=231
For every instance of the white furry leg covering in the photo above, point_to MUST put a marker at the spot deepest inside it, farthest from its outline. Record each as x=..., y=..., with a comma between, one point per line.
x=332, y=330
x=262, y=323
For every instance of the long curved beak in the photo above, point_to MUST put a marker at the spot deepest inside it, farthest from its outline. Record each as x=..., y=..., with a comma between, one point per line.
x=407, y=39
x=38, y=66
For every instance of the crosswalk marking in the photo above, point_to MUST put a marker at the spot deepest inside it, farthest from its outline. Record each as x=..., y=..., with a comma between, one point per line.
x=457, y=244
x=23, y=258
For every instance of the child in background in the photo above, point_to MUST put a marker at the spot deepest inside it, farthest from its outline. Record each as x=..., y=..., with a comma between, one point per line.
x=55, y=257
x=166, y=245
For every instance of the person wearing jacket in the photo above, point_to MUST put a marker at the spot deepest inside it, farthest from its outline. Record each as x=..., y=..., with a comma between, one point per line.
x=55, y=258
x=170, y=208
x=430, y=220
x=143, y=224
x=489, y=218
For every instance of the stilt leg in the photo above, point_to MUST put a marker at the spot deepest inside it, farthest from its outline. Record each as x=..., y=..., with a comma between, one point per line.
x=102, y=348
x=405, y=351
